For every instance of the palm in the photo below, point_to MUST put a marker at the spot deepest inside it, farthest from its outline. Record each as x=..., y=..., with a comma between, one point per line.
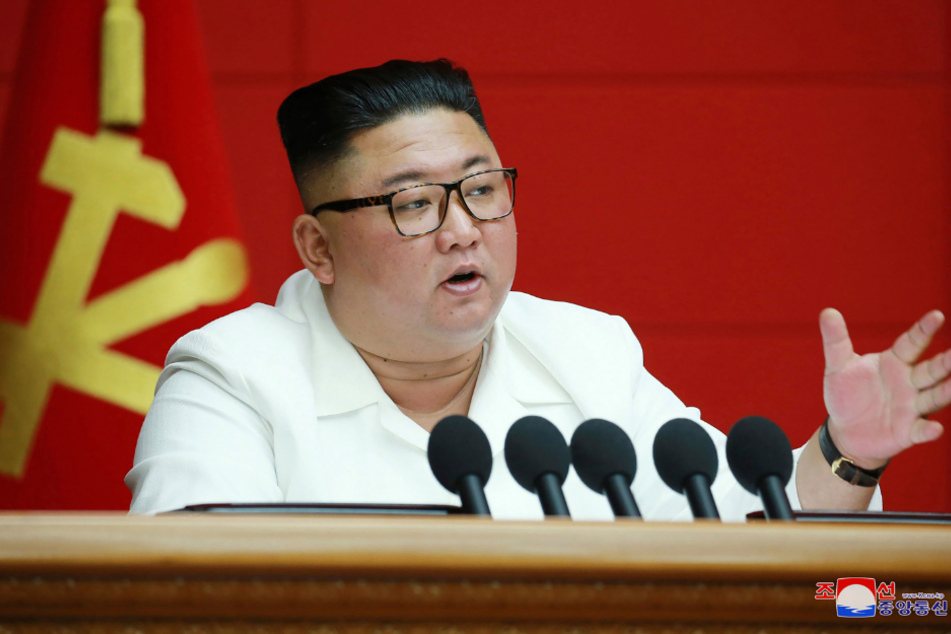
x=877, y=402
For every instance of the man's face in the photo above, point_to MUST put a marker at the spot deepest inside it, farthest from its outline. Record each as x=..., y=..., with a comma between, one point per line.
x=391, y=295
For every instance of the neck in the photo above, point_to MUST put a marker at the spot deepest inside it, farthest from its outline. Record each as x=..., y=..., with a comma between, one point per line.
x=428, y=391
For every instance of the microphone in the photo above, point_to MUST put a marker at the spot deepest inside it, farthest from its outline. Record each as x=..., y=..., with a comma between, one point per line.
x=760, y=457
x=461, y=459
x=538, y=458
x=604, y=459
x=686, y=461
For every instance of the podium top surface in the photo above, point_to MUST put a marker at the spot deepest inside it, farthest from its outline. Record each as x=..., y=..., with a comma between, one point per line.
x=465, y=547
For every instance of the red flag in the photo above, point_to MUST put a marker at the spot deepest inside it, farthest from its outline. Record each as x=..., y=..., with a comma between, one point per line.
x=115, y=242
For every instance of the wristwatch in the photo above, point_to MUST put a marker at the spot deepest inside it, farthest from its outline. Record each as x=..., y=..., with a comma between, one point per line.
x=842, y=466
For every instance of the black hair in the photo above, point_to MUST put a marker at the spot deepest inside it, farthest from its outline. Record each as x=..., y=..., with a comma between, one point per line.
x=317, y=121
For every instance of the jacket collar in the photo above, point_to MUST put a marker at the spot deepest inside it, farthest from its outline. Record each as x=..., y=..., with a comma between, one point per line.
x=511, y=376
x=596, y=371
x=342, y=380
x=510, y=380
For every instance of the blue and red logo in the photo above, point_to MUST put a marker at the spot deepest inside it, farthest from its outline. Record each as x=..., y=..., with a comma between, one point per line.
x=855, y=597
x=861, y=597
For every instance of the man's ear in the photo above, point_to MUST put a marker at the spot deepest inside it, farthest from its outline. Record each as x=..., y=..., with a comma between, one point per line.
x=313, y=248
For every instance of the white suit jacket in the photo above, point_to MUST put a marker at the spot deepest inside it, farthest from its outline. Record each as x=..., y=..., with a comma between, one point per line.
x=272, y=404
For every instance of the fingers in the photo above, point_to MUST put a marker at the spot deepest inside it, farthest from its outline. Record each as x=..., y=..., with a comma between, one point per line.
x=912, y=343
x=931, y=372
x=923, y=431
x=836, y=344
x=933, y=399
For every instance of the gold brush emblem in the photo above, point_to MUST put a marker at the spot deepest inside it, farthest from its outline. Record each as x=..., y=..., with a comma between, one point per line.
x=66, y=340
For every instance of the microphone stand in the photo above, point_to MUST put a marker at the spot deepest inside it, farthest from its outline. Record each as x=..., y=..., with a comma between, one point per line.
x=472, y=495
x=620, y=496
x=775, y=503
x=548, y=488
x=697, y=490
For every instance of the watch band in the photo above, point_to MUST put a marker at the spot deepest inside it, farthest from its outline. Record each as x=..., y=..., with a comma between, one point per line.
x=842, y=466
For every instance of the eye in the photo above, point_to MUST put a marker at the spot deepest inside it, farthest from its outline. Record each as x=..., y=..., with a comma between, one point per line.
x=482, y=186
x=413, y=205
x=483, y=190
x=414, y=202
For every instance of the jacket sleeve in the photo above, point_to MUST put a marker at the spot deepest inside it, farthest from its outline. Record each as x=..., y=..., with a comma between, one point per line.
x=203, y=440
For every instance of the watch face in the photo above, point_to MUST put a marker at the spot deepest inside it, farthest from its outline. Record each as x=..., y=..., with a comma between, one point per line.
x=844, y=468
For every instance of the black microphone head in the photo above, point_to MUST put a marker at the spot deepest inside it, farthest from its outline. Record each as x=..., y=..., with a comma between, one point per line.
x=756, y=447
x=600, y=449
x=458, y=447
x=533, y=447
x=683, y=448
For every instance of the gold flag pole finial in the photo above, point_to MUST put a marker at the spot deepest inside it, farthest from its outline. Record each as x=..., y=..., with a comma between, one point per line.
x=122, y=89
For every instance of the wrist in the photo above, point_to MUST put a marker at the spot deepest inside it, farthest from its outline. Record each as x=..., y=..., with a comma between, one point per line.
x=845, y=467
x=869, y=464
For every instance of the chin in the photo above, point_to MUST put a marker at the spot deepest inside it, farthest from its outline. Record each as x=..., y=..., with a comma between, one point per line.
x=464, y=336
x=468, y=329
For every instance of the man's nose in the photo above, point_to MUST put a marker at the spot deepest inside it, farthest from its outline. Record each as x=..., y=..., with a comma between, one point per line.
x=458, y=228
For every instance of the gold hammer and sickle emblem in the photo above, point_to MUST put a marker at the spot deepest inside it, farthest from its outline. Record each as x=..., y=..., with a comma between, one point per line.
x=66, y=340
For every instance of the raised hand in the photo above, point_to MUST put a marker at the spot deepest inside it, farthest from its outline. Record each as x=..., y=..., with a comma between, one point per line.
x=878, y=403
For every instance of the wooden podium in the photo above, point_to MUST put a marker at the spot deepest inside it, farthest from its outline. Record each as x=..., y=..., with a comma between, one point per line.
x=290, y=574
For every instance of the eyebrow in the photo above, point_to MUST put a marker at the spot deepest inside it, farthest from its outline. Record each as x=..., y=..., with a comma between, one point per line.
x=416, y=176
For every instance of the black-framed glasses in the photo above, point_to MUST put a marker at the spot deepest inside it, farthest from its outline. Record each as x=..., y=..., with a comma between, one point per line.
x=421, y=209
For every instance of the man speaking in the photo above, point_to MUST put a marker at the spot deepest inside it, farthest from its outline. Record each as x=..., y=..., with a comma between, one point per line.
x=404, y=315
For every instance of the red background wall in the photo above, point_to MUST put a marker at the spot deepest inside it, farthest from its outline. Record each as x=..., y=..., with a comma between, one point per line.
x=716, y=172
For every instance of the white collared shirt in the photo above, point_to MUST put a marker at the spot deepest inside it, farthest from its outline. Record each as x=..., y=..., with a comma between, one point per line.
x=273, y=404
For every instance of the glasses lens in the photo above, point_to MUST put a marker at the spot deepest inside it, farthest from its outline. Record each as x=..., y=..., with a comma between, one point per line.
x=489, y=196
x=417, y=209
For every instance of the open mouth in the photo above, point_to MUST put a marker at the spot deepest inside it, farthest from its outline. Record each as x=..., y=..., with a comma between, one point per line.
x=461, y=278
x=464, y=283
